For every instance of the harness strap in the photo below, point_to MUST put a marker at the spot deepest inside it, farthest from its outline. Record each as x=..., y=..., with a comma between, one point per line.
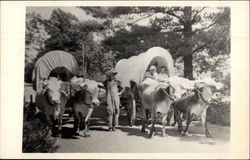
x=172, y=98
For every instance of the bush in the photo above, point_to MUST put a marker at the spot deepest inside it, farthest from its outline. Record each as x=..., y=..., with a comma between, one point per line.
x=37, y=137
x=219, y=113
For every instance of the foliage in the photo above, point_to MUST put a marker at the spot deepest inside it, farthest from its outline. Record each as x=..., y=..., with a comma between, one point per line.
x=65, y=32
x=178, y=67
x=134, y=42
x=219, y=113
x=99, y=61
x=176, y=29
x=36, y=138
x=37, y=135
x=35, y=37
x=169, y=27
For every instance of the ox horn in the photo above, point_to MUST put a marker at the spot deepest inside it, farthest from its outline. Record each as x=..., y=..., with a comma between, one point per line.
x=44, y=83
x=64, y=92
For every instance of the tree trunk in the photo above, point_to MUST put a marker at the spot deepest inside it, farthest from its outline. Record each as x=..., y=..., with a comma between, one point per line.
x=188, y=66
x=83, y=60
x=188, y=55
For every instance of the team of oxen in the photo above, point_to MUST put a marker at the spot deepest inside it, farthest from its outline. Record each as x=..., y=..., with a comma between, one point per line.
x=62, y=90
x=155, y=100
x=158, y=100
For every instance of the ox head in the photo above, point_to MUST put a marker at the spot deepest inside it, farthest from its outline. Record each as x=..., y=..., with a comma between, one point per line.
x=168, y=89
x=208, y=88
x=205, y=93
x=52, y=87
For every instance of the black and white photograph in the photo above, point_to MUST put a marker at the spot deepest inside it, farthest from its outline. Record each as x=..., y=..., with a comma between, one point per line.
x=107, y=79
x=127, y=79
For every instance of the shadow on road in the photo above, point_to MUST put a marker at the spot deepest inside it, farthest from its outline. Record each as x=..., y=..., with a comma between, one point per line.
x=94, y=128
x=123, y=121
x=67, y=133
x=195, y=135
x=133, y=132
x=98, y=123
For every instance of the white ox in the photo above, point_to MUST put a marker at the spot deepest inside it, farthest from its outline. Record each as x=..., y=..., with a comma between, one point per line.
x=156, y=99
x=52, y=100
x=83, y=102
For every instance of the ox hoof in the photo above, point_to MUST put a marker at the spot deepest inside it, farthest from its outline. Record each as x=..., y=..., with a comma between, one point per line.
x=150, y=137
x=76, y=134
x=60, y=135
x=180, y=130
x=86, y=135
x=184, y=133
x=55, y=135
x=208, y=136
x=132, y=123
x=164, y=135
x=173, y=124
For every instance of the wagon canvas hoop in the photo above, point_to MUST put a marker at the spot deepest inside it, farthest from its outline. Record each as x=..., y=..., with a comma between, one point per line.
x=134, y=68
x=48, y=62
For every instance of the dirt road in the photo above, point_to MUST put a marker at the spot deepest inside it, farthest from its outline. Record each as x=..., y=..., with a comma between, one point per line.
x=131, y=140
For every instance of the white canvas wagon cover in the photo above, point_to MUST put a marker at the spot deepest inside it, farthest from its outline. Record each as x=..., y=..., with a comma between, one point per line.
x=134, y=68
x=48, y=62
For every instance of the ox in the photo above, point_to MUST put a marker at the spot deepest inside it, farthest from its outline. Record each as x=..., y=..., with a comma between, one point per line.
x=51, y=100
x=193, y=106
x=156, y=99
x=82, y=106
x=85, y=97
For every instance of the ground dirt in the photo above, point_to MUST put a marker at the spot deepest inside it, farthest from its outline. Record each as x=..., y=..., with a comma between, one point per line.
x=131, y=140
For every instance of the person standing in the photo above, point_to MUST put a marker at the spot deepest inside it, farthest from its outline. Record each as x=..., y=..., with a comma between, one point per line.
x=112, y=99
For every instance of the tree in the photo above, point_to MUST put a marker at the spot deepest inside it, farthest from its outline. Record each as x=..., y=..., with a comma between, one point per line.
x=70, y=35
x=65, y=32
x=176, y=30
x=35, y=37
x=184, y=31
x=134, y=42
x=213, y=37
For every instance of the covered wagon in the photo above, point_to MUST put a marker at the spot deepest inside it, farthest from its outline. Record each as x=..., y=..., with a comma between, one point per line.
x=63, y=66
x=49, y=62
x=131, y=72
x=134, y=68
x=61, y=62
